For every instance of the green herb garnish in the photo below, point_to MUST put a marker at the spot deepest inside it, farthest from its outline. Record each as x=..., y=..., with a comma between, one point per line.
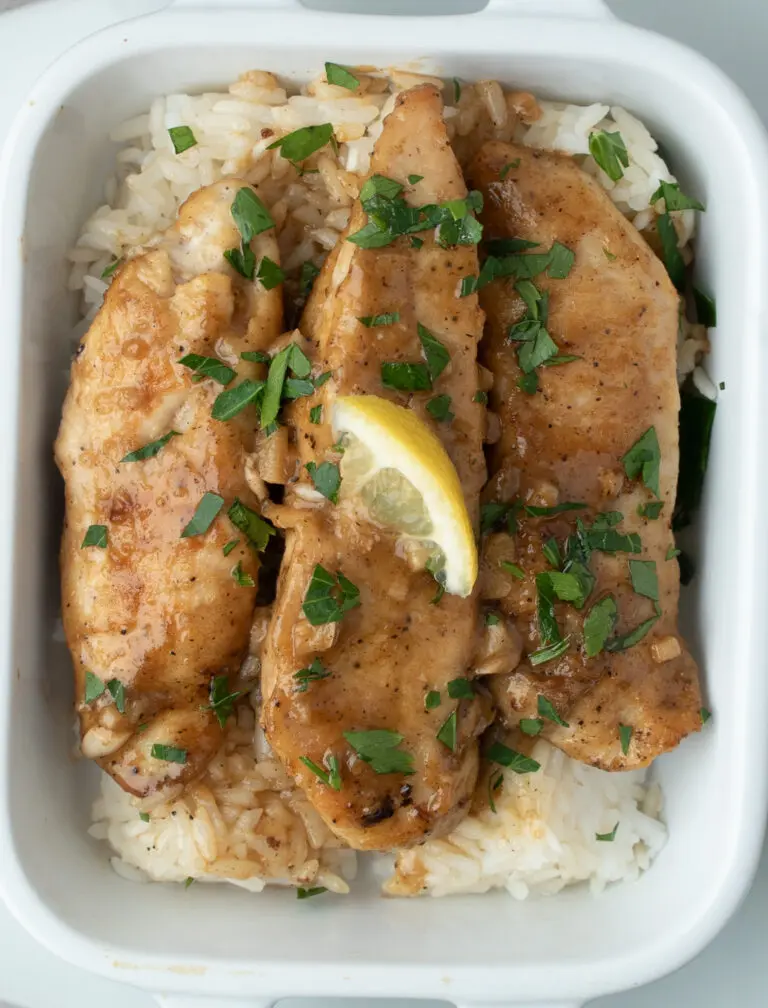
x=96, y=535
x=513, y=569
x=706, y=311
x=230, y=546
x=644, y=578
x=316, y=414
x=251, y=524
x=546, y=710
x=448, y=731
x=108, y=271
x=379, y=749
x=551, y=551
x=149, y=450
x=643, y=460
x=144, y=816
x=330, y=777
x=385, y=319
x=548, y=512
x=329, y=597
x=439, y=407
x=549, y=632
x=209, y=367
x=302, y=143
x=628, y=640
x=599, y=625
x=269, y=273
x=550, y=652
x=674, y=198
x=494, y=784
x=499, y=753
x=508, y=167
x=705, y=715
x=169, y=753
x=650, y=510
x=625, y=734
x=607, y=837
x=341, y=77
x=313, y=673
x=413, y=179
x=560, y=262
x=435, y=354
x=94, y=687
x=255, y=356
x=405, y=377
x=460, y=689
x=230, y=402
x=182, y=138
x=117, y=692
x=531, y=726
x=609, y=152
x=205, y=512
x=307, y=276
x=673, y=259
x=222, y=702
x=492, y=619
x=241, y=578
x=326, y=479
x=431, y=700
x=302, y=893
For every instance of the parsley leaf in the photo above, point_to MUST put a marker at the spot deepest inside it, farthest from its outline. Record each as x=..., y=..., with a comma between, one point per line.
x=380, y=185
x=413, y=179
x=255, y=528
x=609, y=152
x=96, y=535
x=278, y=369
x=269, y=273
x=547, y=710
x=706, y=311
x=607, y=837
x=551, y=551
x=331, y=778
x=328, y=597
x=94, y=687
x=209, y=506
x=549, y=631
x=643, y=460
x=222, y=702
x=385, y=319
x=550, y=652
x=378, y=748
x=625, y=734
x=241, y=577
x=341, y=77
x=108, y=271
x=431, y=700
x=250, y=215
x=461, y=689
x=705, y=715
x=492, y=619
x=302, y=893
x=117, y=692
x=513, y=569
x=628, y=640
x=599, y=624
x=644, y=579
x=439, y=407
x=531, y=726
x=313, y=673
x=307, y=276
x=650, y=510
x=499, y=753
x=168, y=753
x=149, y=450
x=548, y=512
x=230, y=402
x=209, y=367
x=508, y=167
x=405, y=377
x=300, y=144
x=674, y=198
x=182, y=138
x=316, y=414
x=561, y=260
x=447, y=734
x=435, y=354
x=671, y=254
x=326, y=478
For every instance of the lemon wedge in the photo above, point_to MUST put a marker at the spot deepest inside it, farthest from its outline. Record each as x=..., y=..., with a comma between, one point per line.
x=398, y=471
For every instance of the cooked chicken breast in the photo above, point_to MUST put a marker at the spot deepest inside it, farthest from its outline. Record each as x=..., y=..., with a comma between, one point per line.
x=152, y=612
x=583, y=439
x=384, y=656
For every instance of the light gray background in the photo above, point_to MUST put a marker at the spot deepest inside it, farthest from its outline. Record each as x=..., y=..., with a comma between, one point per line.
x=733, y=971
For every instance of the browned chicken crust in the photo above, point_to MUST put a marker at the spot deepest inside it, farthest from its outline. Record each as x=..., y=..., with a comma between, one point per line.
x=386, y=654
x=158, y=614
x=617, y=311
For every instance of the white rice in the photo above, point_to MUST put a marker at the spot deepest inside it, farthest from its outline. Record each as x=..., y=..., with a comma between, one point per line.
x=542, y=836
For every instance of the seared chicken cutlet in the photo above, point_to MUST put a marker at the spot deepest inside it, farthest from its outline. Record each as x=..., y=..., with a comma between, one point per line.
x=152, y=612
x=589, y=441
x=370, y=671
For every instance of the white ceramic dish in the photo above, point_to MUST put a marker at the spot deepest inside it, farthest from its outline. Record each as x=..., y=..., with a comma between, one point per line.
x=219, y=942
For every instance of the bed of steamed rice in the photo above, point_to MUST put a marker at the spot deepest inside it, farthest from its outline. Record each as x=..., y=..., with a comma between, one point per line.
x=245, y=821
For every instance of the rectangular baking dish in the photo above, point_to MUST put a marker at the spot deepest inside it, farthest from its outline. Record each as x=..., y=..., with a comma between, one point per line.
x=220, y=942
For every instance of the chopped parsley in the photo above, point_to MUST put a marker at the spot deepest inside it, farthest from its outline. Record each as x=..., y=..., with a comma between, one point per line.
x=705, y=715
x=413, y=179
x=609, y=153
x=460, y=689
x=328, y=597
x=209, y=367
x=439, y=407
x=628, y=640
x=108, y=271
x=149, y=450
x=672, y=552
x=560, y=262
x=599, y=625
x=608, y=254
x=255, y=356
x=96, y=535
x=551, y=552
x=299, y=145
x=94, y=687
x=230, y=402
x=644, y=459
x=316, y=414
x=290, y=357
x=548, y=512
x=706, y=311
x=302, y=893
x=255, y=528
x=117, y=692
x=607, y=837
x=531, y=726
x=269, y=274
x=509, y=259
x=314, y=672
x=546, y=710
x=326, y=478
x=405, y=377
x=379, y=748
x=435, y=354
x=330, y=777
x=670, y=250
x=508, y=167
x=307, y=276
x=241, y=577
x=385, y=319
x=222, y=701
x=650, y=510
x=492, y=619
x=251, y=218
x=144, y=816
x=205, y=512
x=341, y=77
x=447, y=733
x=549, y=632
x=182, y=138
x=513, y=569
x=550, y=652
x=431, y=700
x=494, y=784
x=674, y=198
x=499, y=753
x=644, y=578
x=168, y=753
x=625, y=735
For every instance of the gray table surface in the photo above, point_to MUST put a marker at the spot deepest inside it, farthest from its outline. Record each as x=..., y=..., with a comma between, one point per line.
x=733, y=971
